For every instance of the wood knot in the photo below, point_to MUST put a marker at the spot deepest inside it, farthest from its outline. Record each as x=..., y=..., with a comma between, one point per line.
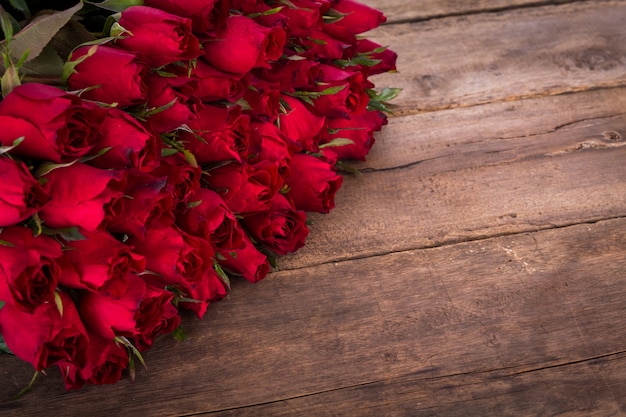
x=612, y=135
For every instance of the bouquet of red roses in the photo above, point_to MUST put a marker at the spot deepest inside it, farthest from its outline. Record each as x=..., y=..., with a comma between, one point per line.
x=151, y=150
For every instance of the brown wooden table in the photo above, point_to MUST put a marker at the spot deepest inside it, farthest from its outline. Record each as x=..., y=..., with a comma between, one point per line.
x=477, y=268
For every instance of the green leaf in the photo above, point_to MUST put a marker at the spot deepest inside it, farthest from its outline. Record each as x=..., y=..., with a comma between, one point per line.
x=21, y=6
x=342, y=166
x=168, y=151
x=193, y=204
x=132, y=349
x=48, y=167
x=333, y=16
x=6, y=22
x=179, y=334
x=115, y=5
x=266, y=13
x=5, y=149
x=6, y=243
x=58, y=302
x=337, y=142
x=2, y=303
x=70, y=65
x=70, y=234
x=222, y=274
x=388, y=94
x=10, y=79
x=38, y=33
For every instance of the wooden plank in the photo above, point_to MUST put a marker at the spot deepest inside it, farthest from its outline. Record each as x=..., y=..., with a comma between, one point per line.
x=488, y=133
x=510, y=304
x=468, y=60
x=405, y=10
x=590, y=388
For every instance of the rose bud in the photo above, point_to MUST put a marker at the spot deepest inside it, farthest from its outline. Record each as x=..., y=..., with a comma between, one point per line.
x=45, y=337
x=99, y=263
x=207, y=83
x=104, y=363
x=246, y=188
x=248, y=262
x=282, y=228
x=109, y=75
x=156, y=316
x=204, y=14
x=62, y=128
x=373, y=51
x=219, y=134
x=359, y=129
x=357, y=18
x=21, y=195
x=182, y=178
x=244, y=45
x=268, y=143
x=173, y=109
x=78, y=194
x=312, y=184
x=300, y=125
x=157, y=37
x=29, y=272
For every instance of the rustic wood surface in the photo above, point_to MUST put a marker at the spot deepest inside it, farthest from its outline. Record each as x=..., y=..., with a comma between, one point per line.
x=476, y=268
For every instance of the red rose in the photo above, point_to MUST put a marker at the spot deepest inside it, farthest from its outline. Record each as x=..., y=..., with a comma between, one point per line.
x=182, y=178
x=45, y=337
x=373, y=51
x=263, y=99
x=171, y=109
x=115, y=74
x=357, y=18
x=220, y=134
x=359, y=129
x=268, y=143
x=244, y=45
x=304, y=16
x=62, y=128
x=319, y=45
x=145, y=201
x=248, y=262
x=21, y=195
x=246, y=188
x=312, y=184
x=293, y=74
x=209, y=217
x=28, y=268
x=349, y=95
x=104, y=363
x=129, y=143
x=282, y=228
x=156, y=315
x=99, y=263
x=205, y=14
x=158, y=37
x=208, y=83
x=78, y=195
x=300, y=125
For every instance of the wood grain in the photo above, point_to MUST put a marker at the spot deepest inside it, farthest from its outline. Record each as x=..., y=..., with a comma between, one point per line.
x=468, y=60
x=416, y=10
x=435, y=322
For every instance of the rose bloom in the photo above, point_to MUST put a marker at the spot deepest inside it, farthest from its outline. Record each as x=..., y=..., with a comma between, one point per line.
x=282, y=228
x=29, y=272
x=219, y=134
x=387, y=57
x=104, y=363
x=359, y=128
x=204, y=14
x=312, y=184
x=207, y=83
x=109, y=75
x=157, y=37
x=358, y=18
x=269, y=144
x=182, y=178
x=248, y=262
x=124, y=143
x=246, y=188
x=78, y=194
x=98, y=263
x=300, y=125
x=244, y=45
x=174, y=108
x=44, y=337
x=63, y=127
x=21, y=195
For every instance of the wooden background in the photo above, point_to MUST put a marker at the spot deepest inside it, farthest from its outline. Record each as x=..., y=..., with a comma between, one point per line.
x=477, y=268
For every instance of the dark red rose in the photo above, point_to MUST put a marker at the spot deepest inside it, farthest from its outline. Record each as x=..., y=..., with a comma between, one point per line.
x=109, y=75
x=219, y=134
x=203, y=292
x=300, y=125
x=78, y=194
x=319, y=45
x=21, y=195
x=293, y=74
x=208, y=217
x=305, y=16
x=105, y=361
x=205, y=14
x=207, y=83
x=246, y=188
x=248, y=262
x=158, y=37
x=312, y=184
x=99, y=263
x=110, y=316
x=244, y=45
x=182, y=178
x=145, y=201
x=372, y=51
x=124, y=143
x=359, y=128
x=170, y=108
x=45, y=337
x=268, y=143
x=348, y=92
x=282, y=228
x=263, y=98
x=357, y=18
x=29, y=272
x=63, y=127
x=156, y=315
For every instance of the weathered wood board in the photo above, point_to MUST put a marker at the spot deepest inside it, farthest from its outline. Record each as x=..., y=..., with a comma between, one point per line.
x=477, y=267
